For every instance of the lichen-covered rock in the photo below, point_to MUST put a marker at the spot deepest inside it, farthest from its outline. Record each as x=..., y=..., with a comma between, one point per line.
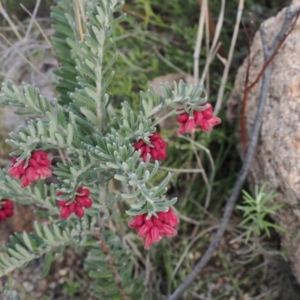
x=277, y=158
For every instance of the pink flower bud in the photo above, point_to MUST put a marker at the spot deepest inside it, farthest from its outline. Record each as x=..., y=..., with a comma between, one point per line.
x=33, y=164
x=149, y=222
x=8, y=204
x=65, y=212
x=16, y=171
x=38, y=168
x=202, y=118
x=79, y=211
x=25, y=182
x=31, y=174
x=72, y=206
x=170, y=218
x=156, y=235
x=169, y=231
x=43, y=172
x=190, y=125
x=6, y=209
x=155, y=228
x=156, y=149
x=137, y=222
x=83, y=191
x=62, y=203
x=183, y=118
x=139, y=145
x=157, y=223
x=144, y=230
x=87, y=202
x=80, y=201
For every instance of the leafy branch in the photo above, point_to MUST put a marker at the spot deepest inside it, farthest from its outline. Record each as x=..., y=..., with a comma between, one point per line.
x=24, y=247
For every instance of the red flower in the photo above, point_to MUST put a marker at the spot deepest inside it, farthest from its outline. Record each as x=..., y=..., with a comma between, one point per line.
x=156, y=149
x=81, y=201
x=155, y=228
x=187, y=126
x=204, y=119
x=6, y=209
x=38, y=168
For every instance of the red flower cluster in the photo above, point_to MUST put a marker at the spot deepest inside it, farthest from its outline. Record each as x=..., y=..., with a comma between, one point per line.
x=157, y=149
x=6, y=209
x=204, y=119
x=81, y=201
x=155, y=228
x=38, y=168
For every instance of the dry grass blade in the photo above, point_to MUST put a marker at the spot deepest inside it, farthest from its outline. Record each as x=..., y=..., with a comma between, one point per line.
x=229, y=59
x=197, y=51
x=167, y=62
x=34, y=21
x=212, y=164
x=33, y=16
x=10, y=22
x=189, y=246
x=207, y=46
x=214, y=42
x=14, y=47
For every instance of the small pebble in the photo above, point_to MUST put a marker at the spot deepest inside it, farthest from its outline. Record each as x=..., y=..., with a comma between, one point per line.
x=28, y=286
x=235, y=245
x=52, y=285
x=63, y=272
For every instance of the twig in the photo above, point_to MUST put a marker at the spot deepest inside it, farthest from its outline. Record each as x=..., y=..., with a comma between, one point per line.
x=229, y=59
x=268, y=52
x=245, y=95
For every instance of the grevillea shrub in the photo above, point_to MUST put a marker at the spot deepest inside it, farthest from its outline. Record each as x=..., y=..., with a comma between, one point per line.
x=94, y=144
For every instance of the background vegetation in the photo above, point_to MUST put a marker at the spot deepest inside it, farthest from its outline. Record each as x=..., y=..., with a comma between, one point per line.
x=158, y=38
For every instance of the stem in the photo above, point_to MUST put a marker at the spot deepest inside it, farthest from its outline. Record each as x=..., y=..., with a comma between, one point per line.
x=79, y=20
x=112, y=265
x=165, y=116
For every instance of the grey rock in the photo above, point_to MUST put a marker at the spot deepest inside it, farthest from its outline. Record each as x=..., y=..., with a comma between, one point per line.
x=277, y=158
